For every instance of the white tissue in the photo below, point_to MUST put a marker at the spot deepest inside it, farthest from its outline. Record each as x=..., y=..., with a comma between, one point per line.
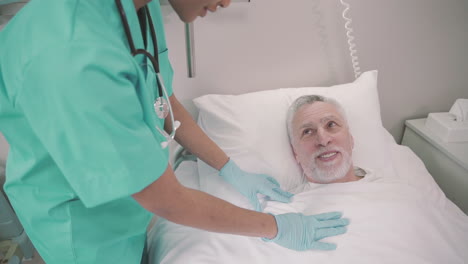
x=460, y=110
x=450, y=126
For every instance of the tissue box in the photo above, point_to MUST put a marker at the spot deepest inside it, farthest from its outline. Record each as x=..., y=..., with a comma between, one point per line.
x=446, y=127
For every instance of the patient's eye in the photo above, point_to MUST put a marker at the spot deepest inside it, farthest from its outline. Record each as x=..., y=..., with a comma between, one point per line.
x=331, y=124
x=308, y=131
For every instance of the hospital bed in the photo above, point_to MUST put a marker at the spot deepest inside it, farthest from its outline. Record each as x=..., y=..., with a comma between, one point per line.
x=400, y=217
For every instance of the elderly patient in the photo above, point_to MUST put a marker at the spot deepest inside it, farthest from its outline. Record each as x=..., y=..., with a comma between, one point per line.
x=321, y=141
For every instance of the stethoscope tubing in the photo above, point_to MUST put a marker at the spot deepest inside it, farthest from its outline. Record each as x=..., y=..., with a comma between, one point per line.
x=155, y=63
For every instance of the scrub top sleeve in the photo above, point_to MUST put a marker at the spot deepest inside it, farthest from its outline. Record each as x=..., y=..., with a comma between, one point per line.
x=90, y=108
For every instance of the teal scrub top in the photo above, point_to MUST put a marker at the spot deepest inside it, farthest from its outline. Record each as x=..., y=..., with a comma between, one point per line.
x=77, y=110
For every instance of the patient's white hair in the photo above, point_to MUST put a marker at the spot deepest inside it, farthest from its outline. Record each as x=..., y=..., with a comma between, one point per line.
x=310, y=99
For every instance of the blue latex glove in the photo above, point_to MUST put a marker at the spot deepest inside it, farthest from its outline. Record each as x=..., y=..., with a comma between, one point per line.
x=249, y=184
x=300, y=232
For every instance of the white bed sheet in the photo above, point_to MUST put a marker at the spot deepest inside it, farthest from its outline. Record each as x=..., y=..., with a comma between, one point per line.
x=404, y=219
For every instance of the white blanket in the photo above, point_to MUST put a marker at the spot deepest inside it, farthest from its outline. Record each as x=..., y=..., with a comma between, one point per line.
x=393, y=220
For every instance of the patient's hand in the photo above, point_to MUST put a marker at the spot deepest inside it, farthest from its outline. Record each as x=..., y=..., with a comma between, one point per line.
x=250, y=184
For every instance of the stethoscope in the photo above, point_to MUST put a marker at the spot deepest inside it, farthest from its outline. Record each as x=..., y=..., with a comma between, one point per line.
x=162, y=104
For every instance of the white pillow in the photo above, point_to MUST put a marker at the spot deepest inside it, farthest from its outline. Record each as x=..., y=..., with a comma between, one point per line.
x=251, y=129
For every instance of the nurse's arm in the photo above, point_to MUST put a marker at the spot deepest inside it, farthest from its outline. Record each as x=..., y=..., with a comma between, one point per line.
x=167, y=198
x=194, y=139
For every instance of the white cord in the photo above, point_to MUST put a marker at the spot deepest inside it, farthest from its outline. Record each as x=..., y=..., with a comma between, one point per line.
x=351, y=44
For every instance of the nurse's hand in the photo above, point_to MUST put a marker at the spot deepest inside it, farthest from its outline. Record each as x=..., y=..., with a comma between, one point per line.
x=303, y=232
x=250, y=184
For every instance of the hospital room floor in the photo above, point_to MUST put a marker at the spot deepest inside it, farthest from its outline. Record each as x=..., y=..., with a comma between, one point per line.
x=35, y=260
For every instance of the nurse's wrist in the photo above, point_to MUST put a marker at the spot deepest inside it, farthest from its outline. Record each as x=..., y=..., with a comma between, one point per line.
x=223, y=164
x=273, y=235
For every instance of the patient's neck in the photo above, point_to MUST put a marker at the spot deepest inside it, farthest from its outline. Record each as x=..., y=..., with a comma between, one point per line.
x=349, y=177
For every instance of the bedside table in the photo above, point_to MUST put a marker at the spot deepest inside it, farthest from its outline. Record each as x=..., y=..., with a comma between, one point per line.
x=447, y=162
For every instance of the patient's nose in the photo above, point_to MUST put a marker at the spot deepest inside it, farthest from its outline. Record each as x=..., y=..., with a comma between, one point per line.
x=323, y=138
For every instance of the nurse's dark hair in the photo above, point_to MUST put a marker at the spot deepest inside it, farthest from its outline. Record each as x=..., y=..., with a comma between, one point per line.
x=308, y=100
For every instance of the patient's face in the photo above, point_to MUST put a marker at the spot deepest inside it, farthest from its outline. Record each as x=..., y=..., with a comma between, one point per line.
x=322, y=143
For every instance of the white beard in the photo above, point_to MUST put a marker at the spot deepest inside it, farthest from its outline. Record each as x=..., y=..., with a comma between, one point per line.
x=331, y=172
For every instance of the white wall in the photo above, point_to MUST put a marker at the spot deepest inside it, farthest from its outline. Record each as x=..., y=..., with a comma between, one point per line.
x=420, y=48
x=261, y=45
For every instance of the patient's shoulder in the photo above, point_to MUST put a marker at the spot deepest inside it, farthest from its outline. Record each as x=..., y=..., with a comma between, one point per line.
x=300, y=188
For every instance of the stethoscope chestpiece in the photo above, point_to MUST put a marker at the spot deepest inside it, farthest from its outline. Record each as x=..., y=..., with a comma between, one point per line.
x=161, y=107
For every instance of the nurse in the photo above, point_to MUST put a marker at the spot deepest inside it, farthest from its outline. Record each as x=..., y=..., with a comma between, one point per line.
x=87, y=167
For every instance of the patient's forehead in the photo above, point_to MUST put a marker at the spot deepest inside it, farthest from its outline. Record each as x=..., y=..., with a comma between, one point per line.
x=316, y=113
